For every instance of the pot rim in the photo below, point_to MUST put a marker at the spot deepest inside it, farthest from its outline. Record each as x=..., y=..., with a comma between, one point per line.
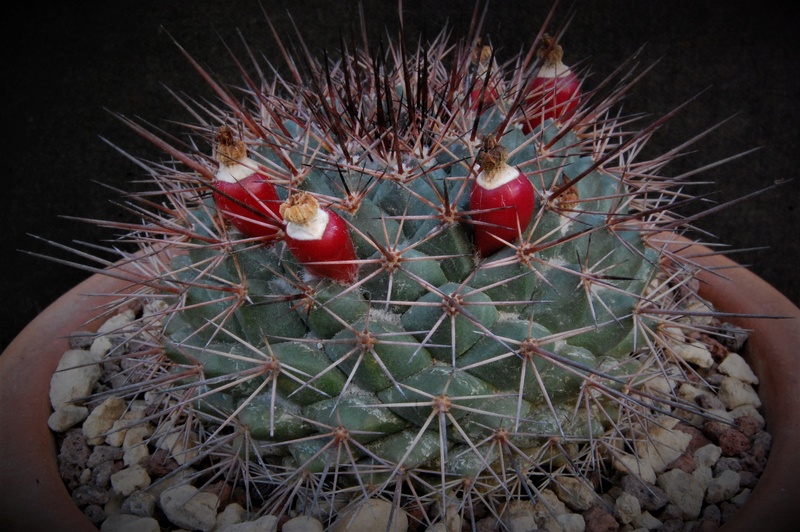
x=30, y=471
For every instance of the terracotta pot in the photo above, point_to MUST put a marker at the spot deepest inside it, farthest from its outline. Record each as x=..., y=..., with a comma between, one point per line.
x=773, y=351
x=34, y=498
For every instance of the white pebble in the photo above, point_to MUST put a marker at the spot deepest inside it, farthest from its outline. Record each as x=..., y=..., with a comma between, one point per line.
x=303, y=523
x=139, y=503
x=231, y=515
x=374, y=514
x=663, y=445
x=135, y=444
x=66, y=417
x=689, y=392
x=74, y=378
x=695, y=353
x=703, y=475
x=547, y=510
x=187, y=507
x=741, y=497
x=571, y=522
x=101, y=346
x=674, y=335
x=737, y=367
x=575, y=493
x=520, y=516
x=722, y=487
x=126, y=481
x=647, y=520
x=550, y=501
x=749, y=411
x=117, y=324
x=627, y=507
x=630, y=464
x=177, y=446
x=707, y=455
x=101, y=419
x=154, y=307
x=720, y=415
x=116, y=434
x=683, y=491
x=735, y=393
x=175, y=479
x=322, y=508
x=660, y=385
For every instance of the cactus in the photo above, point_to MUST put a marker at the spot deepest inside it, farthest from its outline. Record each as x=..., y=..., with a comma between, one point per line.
x=403, y=359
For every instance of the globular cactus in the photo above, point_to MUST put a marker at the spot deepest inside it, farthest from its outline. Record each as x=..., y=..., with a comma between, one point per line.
x=434, y=275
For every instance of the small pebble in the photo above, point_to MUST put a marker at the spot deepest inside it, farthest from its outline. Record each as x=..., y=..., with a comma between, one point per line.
x=683, y=490
x=695, y=353
x=103, y=453
x=87, y=494
x=95, y=514
x=646, y=520
x=722, y=487
x=741, y=497
x=373, y=514
x=126, y=481
x=571, y=522
x=707, y=455
x=102, y=418
x=139, y=503
x=304, y=523
x=232, y=514
x=650, y=497
x=189, y=508
x=735, y=366
x=66, y=417
x=101, y=473
x=734, y=393
x=627, y=507
x=575, y=493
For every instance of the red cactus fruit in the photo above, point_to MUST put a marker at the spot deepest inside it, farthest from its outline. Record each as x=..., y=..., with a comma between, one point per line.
x=318, y=238
x=502, y=199
x=555, y=91
x=242, y=192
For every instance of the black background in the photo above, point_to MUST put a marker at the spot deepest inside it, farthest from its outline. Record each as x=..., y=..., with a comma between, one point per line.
x=68, y=67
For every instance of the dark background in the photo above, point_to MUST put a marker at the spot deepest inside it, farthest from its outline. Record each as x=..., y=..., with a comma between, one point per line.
x=68, y=67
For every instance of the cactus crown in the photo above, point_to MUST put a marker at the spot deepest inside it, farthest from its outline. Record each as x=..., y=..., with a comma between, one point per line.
x=429, y=372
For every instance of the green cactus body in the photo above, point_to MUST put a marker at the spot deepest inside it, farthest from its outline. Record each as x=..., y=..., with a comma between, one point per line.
x=431, y=348
x=434, y=364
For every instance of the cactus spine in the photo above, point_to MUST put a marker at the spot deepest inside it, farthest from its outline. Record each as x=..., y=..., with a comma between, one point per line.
x=400, y=360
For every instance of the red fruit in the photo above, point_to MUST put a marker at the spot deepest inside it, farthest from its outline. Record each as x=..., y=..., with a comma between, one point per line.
x=482, y=97
x=502, y=200
x=319, y=239
x=555, y=91
x=243, y=195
